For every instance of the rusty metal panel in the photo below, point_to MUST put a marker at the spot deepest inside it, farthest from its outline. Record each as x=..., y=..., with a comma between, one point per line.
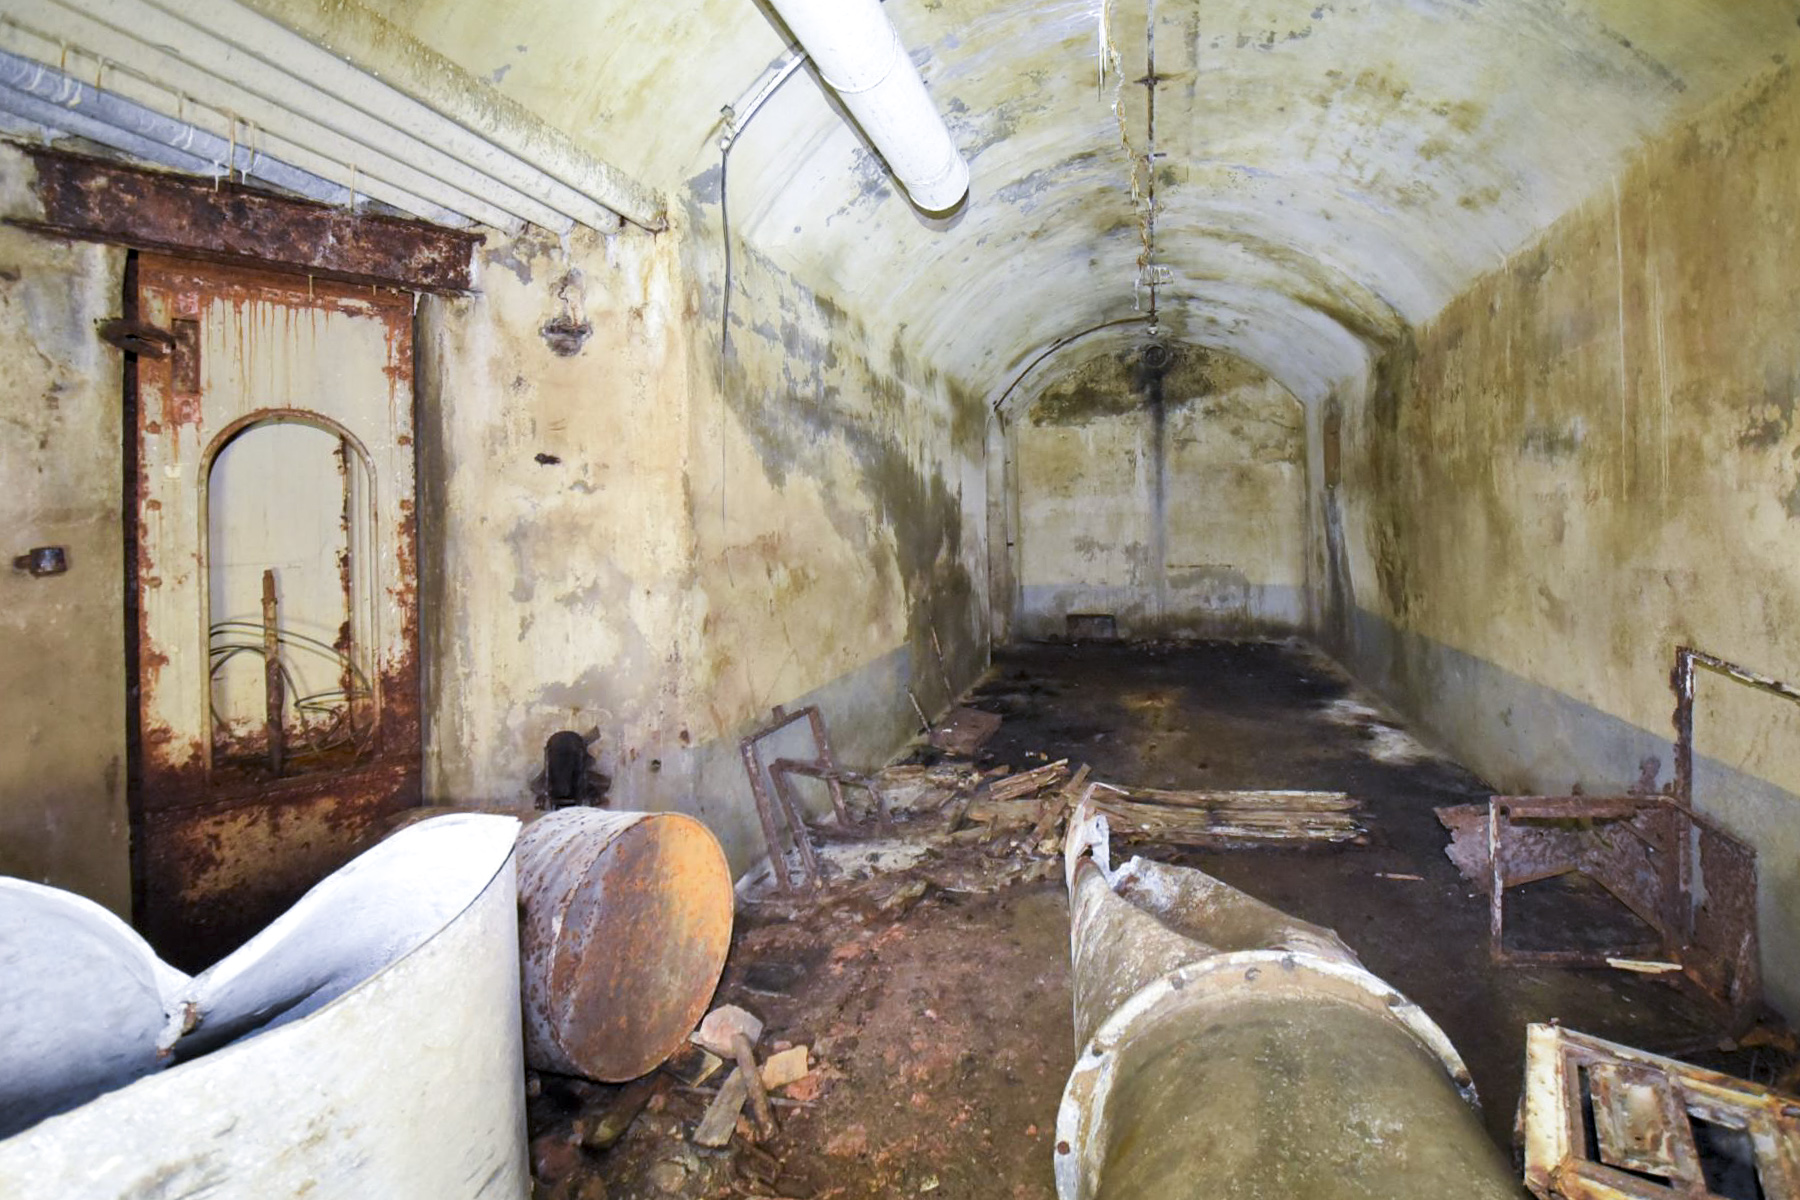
x=226, y=222
x=1627, y=844
x=1724, y=953
x=1637, y=1124
x=225, y=840
x=1647, y=1113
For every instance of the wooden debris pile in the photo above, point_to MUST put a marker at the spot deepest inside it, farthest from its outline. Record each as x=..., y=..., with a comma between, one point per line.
x=986, y=806
x=1230, y=818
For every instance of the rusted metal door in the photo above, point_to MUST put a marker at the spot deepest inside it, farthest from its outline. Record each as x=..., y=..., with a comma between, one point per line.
x=275, y=581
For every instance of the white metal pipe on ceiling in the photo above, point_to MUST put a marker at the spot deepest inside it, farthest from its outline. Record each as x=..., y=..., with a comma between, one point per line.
x=858, y=52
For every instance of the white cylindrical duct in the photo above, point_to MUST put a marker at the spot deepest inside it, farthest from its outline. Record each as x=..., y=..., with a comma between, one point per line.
x=858, y=51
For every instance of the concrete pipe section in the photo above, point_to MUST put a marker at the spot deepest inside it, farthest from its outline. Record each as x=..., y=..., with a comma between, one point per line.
x=625, y=923
x=365, y=1044
x=1231, y=1052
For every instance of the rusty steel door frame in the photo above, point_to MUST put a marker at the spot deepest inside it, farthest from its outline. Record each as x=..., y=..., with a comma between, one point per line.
x=222, y=842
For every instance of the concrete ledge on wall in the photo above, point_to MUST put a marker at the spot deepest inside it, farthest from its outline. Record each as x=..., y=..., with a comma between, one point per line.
x=1525, y=738
x=1221, y=604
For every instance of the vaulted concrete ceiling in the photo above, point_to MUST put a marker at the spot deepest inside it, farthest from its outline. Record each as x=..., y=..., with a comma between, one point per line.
x=1326, y=172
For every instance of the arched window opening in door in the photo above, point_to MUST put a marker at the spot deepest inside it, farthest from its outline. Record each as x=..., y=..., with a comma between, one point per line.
x=288, y=540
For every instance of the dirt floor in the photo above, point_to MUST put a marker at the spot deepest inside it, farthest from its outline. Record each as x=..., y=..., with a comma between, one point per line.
x=933, y=991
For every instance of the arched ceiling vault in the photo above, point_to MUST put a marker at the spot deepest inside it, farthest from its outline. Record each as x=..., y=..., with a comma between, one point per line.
x=1327, y=173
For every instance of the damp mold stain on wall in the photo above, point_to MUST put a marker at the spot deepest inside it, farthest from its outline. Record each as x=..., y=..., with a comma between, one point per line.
x=1588, y=459
x=1165, y=487
x=662, y=541
x=62, y=720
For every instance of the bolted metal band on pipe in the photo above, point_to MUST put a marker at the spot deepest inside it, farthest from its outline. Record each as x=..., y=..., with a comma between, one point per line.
x=859, y=54
x=625, y=920
x=1231, y=1052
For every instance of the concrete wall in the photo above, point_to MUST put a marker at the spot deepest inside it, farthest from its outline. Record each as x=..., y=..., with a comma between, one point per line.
x=1178, y=505
x=638, y=538
x=1589, y=458
x=62, y=706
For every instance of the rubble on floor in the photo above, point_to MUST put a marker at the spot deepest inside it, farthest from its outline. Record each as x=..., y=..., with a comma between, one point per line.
x=963, y=842
x=912, y=979
x=889, y=1054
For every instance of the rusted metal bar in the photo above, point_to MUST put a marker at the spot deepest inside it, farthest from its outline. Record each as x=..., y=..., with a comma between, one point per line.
x=765, y=813
x=274, y=697
x=796, y=820
x=828, y=761
x=93, y=200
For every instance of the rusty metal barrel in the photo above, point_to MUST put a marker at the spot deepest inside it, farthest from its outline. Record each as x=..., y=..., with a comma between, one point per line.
x=624, y=923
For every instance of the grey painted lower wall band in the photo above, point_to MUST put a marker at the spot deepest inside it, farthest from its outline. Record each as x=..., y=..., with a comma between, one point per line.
x=1523, y=737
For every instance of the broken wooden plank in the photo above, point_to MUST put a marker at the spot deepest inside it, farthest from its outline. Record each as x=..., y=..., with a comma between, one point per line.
x=1003, y=814
x=963, y=731
x=1200, y=826
x=1027, y=783
x=1219, y=798
x=1051, y=811
x=720, y=1121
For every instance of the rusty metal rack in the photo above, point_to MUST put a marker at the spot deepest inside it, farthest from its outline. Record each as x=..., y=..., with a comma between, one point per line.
x=823, y=766
x=1606, y=1122
x=1650, y=852
x=1643, y=850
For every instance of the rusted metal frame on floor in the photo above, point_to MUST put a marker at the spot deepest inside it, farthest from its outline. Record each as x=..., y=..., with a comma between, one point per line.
x=1560, y=855
x=1643, y=1108
x=1709, y=932
x=824, y=766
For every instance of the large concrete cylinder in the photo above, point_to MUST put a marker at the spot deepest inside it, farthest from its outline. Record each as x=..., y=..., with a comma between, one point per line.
x=625, y=920
x=373, y=1040
x=1230, y=1052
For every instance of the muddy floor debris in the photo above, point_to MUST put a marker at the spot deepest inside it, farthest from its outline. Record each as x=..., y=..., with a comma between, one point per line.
x=925, y=986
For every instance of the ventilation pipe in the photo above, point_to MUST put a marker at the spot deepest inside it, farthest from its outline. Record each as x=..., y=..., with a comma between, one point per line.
x=858, y=52
x=1230, y=1052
